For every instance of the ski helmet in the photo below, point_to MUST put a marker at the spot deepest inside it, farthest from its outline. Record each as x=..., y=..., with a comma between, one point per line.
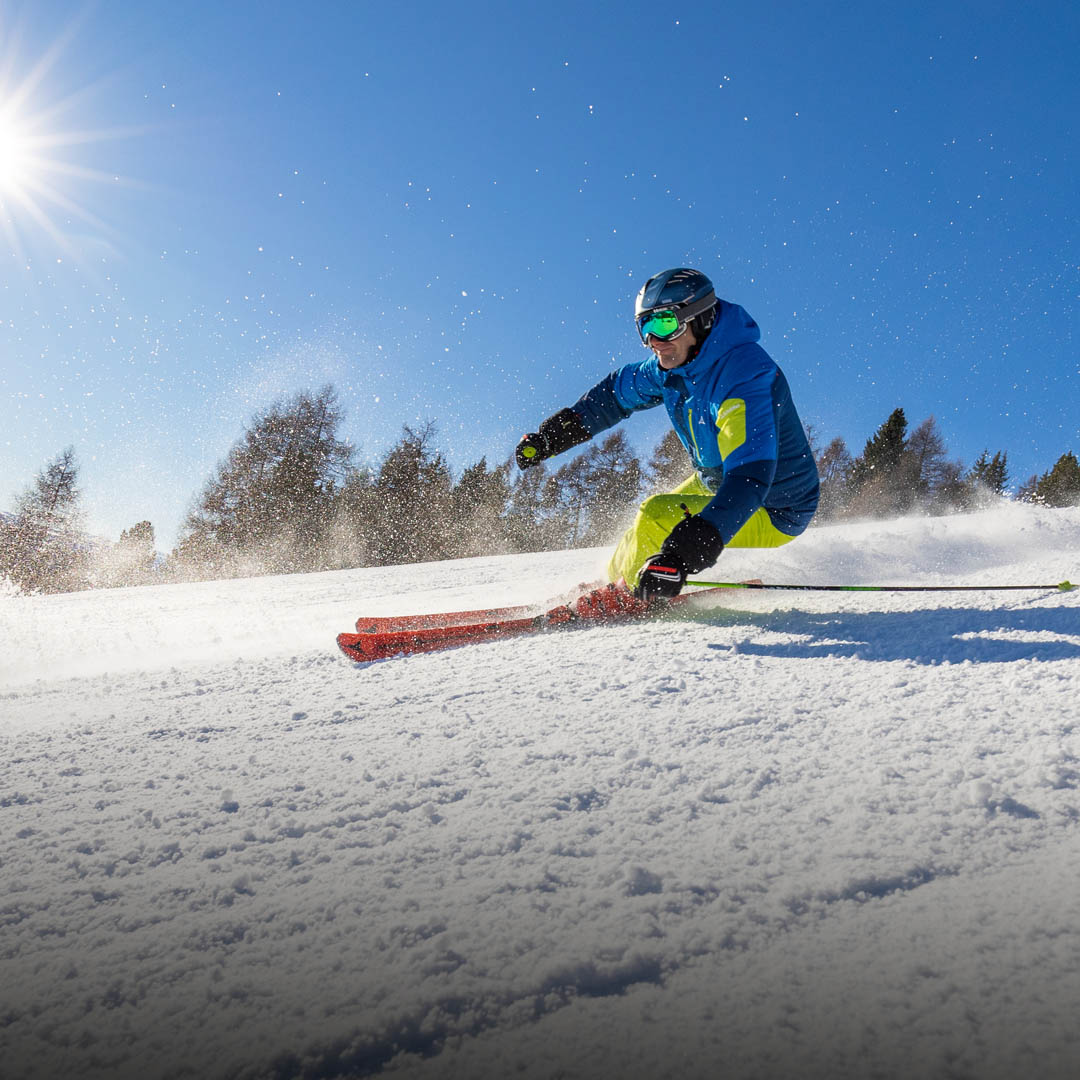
x=687, y=294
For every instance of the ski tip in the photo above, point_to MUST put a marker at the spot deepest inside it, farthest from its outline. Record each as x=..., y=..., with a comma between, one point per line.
x=351, y=646
x=1066, y=586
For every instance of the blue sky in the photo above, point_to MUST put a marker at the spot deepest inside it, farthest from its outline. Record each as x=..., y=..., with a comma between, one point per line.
x=447, y=211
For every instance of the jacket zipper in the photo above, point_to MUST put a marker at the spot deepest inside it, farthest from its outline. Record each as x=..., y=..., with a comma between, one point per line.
x=693, y=437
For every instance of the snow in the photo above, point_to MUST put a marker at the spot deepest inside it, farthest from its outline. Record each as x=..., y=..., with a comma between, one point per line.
x=814, y=834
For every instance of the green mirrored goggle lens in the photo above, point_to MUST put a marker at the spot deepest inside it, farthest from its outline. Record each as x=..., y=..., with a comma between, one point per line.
x=661, y=324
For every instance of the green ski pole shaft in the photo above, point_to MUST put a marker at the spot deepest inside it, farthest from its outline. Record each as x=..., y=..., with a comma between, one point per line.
x=1061, y=586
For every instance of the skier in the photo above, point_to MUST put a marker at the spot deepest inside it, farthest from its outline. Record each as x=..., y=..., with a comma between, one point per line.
x=755, y=483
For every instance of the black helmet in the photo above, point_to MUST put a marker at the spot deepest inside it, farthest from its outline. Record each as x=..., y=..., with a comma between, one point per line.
x=688, y=294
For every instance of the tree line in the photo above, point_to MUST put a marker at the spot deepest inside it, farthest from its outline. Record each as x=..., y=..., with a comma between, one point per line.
x=291, y=497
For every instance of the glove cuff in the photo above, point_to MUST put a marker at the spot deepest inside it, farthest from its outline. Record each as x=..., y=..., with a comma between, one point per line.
x=662, y=577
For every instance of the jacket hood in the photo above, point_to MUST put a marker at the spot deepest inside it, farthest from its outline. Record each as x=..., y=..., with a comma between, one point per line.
x=731, y=327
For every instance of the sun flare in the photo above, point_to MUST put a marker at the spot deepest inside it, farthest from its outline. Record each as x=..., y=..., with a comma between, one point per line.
x=16, y=156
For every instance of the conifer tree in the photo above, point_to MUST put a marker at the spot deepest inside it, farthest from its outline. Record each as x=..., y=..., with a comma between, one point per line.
x=987, y=479
x=478, y=503
x=883, y=450
x=350, y=539
x=1061, y=485
x=410, y=501
x=270, y=501
x=131, y=561
x=44, y=548
x=1026, y=491
x=875, y=490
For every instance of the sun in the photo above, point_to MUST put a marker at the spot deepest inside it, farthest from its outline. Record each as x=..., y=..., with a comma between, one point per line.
x=29, y=193
x=44, y=186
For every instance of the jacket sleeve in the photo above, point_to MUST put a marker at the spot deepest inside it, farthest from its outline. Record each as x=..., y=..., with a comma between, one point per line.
x=614, y=398
x=746, y=433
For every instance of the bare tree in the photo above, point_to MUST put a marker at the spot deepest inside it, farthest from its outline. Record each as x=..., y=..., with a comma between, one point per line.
x=834, y=471
x=669, y=465
x=615, y=480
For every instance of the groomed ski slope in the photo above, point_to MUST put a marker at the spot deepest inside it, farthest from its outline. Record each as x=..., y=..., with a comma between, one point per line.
x=813, y=834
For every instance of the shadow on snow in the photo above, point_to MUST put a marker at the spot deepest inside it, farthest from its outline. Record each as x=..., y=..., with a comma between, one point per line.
x=930, y=636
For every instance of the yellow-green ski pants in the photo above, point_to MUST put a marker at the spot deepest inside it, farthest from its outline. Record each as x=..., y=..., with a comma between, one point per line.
x=659, y=514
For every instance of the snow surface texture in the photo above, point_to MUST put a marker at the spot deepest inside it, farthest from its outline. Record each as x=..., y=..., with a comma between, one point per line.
x=831, y=835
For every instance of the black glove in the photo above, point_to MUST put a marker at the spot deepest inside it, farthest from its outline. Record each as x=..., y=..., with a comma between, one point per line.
x=557, y=434
x=662, y=577
x=695, y=541
x=691, y=546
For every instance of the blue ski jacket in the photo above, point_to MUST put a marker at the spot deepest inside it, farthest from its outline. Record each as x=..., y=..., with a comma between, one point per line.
x=732, y=410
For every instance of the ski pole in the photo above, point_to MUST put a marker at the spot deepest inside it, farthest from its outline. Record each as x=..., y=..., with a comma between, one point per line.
x=1061, y=586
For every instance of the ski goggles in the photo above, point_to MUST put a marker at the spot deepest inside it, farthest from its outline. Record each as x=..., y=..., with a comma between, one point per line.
x=663, y=324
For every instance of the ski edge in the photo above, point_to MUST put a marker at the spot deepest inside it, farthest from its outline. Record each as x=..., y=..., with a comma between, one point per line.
x=381, y=624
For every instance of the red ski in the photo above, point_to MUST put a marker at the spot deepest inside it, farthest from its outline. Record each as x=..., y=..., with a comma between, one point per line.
x=381, y=624
x=380, y=637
